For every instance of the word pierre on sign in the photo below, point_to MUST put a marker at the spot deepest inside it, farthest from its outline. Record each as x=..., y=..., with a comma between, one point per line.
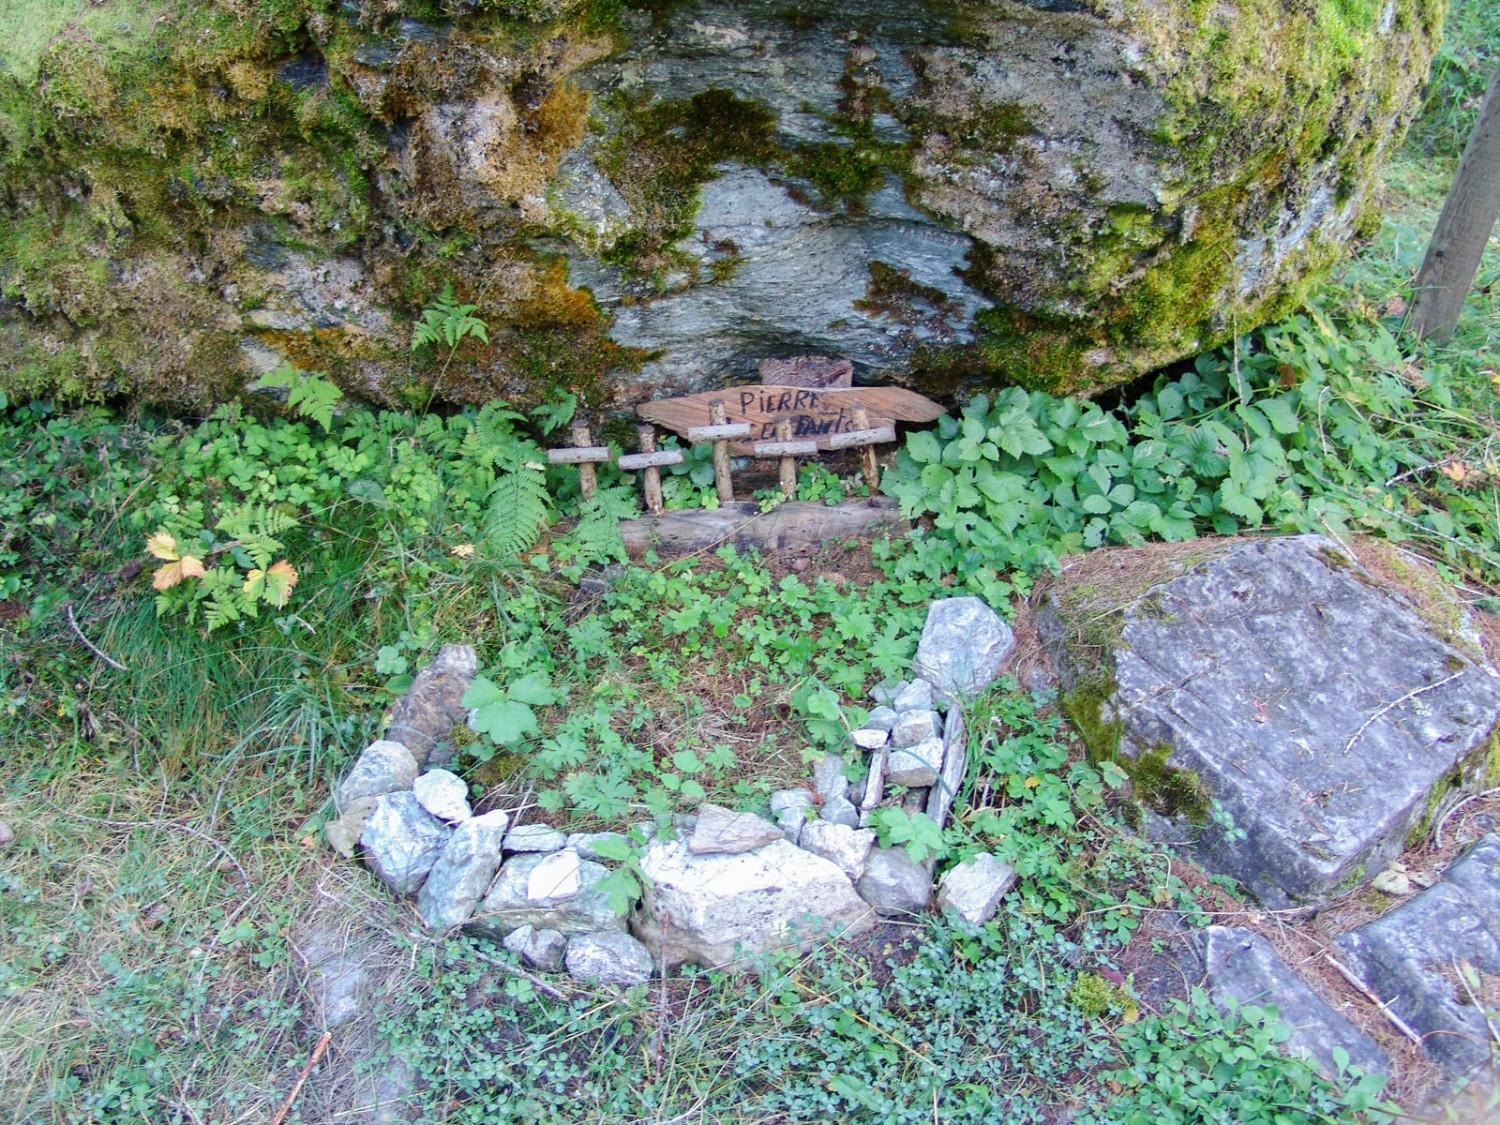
x=817, y=414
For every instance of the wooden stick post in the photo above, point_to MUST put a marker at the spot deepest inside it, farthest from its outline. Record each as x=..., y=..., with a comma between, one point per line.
x=720, y=433
x=865, y=439
x=585, y=456
x=788, y=450
x=651, y=461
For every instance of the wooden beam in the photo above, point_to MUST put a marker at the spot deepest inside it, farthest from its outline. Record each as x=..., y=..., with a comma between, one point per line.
x=798, y=526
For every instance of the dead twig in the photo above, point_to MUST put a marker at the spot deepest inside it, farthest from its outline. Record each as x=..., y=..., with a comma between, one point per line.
x=302, y=1078
x=1396, y=703
x=1396, y=1021
x=88, y=644
x=1437, y=833
x=515, y=970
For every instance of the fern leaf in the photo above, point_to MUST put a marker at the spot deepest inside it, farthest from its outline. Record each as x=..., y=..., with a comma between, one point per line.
x=518, y=507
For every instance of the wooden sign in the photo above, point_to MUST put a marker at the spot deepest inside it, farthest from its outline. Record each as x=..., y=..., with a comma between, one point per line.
x=814, y=414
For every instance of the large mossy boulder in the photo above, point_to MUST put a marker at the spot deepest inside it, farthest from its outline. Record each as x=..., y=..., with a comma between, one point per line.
x=650, y=197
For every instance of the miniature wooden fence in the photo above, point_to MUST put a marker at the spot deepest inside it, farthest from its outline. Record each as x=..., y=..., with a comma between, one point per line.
x=650, y=460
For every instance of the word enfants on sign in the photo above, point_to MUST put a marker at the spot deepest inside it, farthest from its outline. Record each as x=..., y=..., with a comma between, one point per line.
x=815, y=414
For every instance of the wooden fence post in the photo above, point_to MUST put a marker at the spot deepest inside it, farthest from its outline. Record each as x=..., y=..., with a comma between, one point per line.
x=720, y=433
x=584, y=455
x=650, y=460
x=788, y=451
x=865, y=440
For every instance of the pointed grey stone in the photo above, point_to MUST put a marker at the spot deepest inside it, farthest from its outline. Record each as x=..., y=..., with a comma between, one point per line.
x=608, y=958
x=535, y=838
x=792, y=808
x=915, y=766
x=402, y=841
x=882, y=718
x=884, y=693
x=869, y=738
x=963, y=644
x=445, y=795
x=382, y=767
x=424, y=718
x=915, y=696
x=975, y=887
x=893, y=884
x=840, y=844
x=541, y=949
x=828, y=777
x=840, y=810
x=722, y=831
x=464, y=871
x=913, y=727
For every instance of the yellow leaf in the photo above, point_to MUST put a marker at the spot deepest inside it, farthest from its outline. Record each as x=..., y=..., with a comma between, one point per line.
x=1456, y=471
x=169, y=574
x=279, y=582
x=462, y=550
x=162, y=546
x=1032, y=782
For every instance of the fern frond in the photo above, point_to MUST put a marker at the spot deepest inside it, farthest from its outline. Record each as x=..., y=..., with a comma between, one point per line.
x=518, y=506
x=596, y=536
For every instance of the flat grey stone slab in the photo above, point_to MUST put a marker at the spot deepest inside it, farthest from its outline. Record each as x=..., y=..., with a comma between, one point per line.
x=1317, y=707
x=1414, y=959
x=724, y=831
x=535, y=838
x=915, y=766
x=463, y=872
x=1242, y=965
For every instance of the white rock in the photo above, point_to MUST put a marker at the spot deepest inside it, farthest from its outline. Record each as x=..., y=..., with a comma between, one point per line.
x=869, y=738
x=463, y=872
x=382, y=767
x=445, y=795
x=555, y=880
x=506, y=908
x=541, y=949
x=721, y=831
x=535, y=838
x=715, y=910
x=963, y=644
x=402, y=841
x=1392, y=882
x=7, y=836
x=975, y=887
x=882, y=718
x=608, y=958
x=915, y=766
x=913, y=727
x=840, y=844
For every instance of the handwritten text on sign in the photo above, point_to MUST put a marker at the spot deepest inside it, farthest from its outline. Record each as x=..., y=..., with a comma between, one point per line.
x=815, y=414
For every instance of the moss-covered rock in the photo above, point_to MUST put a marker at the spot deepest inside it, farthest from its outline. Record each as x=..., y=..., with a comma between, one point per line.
x=644, y=196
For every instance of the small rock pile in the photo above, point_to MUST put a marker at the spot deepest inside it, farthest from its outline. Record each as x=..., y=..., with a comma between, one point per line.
x=722, y=887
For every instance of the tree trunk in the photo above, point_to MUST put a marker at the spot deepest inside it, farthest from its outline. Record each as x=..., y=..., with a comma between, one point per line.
x=1463, y=229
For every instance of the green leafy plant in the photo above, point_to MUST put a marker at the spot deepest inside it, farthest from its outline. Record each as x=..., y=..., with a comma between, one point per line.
x=505, y=715
x=308, y=395
x=448, y=322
